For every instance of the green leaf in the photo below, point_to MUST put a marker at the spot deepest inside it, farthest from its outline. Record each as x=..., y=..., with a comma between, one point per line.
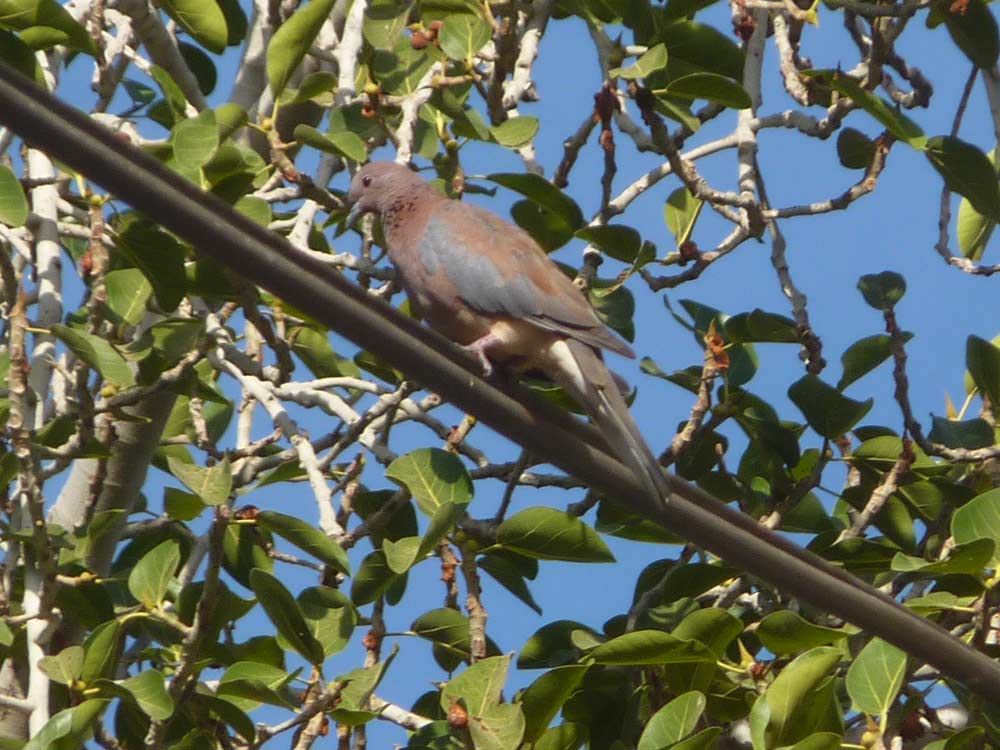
x=384, y=22
x=829, y=412
x=673, y=722
x=159, y=256
x=616, y=241
x=894, y=121
x=504, y=572
x=681, y=211
x=978, y=519
x=202, y=19
x=21, y=57
x=449, y=629
x=41, y=17
x=500, y=727
x=786, y=632
x=463, y=35
x=711, y=87
x=553, y=645
x=973, y=231
x=72, y=727
x=793, y=688
x=13, y=203
x=761, y=327
x=101, y=651
x=212, y=484
x=550, y=534
x=968, y=433
x=400, y=555
x=433, y=476
x=343, y=143
x=291, y=42
x=973, y=29
x=882, y=290
x=195, y=140
x=307, y=538
x=653, y=59
x=963, y=559
x=286, y=615
x=650, y=647
x=864, y=355
x=330, y=615
x=64, y=667
x=150, y=691
x=515, y=132
x=96, y=352
x=696, y=47
x=248, y=684
x=982, y=359
x=567, y=736
x=875, y=677
x=372, y=578
x=480, y=686
x=543, y=698
x=128, y=292
x=855, y=149
x=703, y=740
x=543, y=193
x=967, y=171
x=150, y=577
x=201, y=66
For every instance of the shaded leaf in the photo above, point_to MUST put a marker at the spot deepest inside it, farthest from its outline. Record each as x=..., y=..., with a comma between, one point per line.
x=711, y=87
x=650, y=647
x=786, y=632
x=967, y=171
x=982, y=359
x=98, y=353
x=829, y=412
x=292, y=40
x=286, y=615
x=855, y=149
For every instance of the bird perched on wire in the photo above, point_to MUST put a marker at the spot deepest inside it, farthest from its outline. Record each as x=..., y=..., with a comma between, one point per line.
x=486, y=284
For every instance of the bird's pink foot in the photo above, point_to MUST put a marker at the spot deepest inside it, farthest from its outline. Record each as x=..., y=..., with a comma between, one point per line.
x=480, y=347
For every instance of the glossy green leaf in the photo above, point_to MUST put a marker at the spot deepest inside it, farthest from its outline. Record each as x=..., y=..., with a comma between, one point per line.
x=973, y=29
x=855, y=149
x=212, y=484
x=761, y=327
x=792, y=689
x=45, y=16
x=159, y=256
x=98, y=353
x=307, y=538
x=550, y=534
x=64, y=667
x=372, y=578
x=967, y=433
x=195, y=140
x=13, y=203
x=463, y=35
x=697, y=47
x=829, y=412
x=343, y=143
x=128, y=292
x=967, y=171
x=882, y=290
x=150, y=577
x=888, y=115
x=617, y=241
x=982, y=359
x=149, y=690
x=515, y=132
x=978, y=519
x=681, y=212
x=864, y=355
x=292, y=40
x=434, y=477
x=786, y=632
x=711, y=87
x=971, y=558
x=543, y=193
x=673, y=722
x=102, y=649
x=202, y=19
x=875, y=677
x=449, y=629
x=286, y=615
x=544, y=698
x=70, y=728
x=653, y=59
x=650, y=647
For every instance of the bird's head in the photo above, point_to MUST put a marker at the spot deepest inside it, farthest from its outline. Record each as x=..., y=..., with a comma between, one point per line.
x=376, y=185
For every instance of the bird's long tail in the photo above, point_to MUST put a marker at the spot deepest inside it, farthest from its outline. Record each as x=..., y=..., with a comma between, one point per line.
x=578, y=368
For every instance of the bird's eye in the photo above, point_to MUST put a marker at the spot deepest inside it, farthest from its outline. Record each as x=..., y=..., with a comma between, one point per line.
x=366, y=180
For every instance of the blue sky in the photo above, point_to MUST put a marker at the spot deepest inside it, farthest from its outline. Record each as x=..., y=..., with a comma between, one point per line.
x=894, y=228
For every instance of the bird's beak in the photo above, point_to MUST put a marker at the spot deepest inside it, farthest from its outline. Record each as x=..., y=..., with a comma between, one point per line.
x=354, y=214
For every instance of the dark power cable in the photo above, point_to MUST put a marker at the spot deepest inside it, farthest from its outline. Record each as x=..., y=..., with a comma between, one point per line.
x=266, y=259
